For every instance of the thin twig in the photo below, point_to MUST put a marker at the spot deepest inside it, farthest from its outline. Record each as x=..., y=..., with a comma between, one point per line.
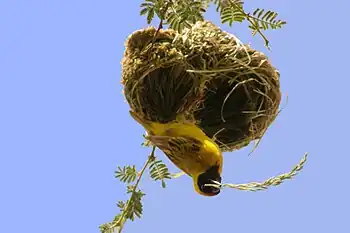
x=160, y=26
x=126, y=208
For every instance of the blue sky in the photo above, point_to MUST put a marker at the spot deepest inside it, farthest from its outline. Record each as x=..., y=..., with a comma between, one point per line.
x=65, y=127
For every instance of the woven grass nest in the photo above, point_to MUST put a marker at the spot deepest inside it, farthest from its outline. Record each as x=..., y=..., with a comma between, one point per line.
x=204, y=75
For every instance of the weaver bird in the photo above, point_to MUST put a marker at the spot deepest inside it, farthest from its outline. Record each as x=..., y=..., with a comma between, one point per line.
x=190, y=149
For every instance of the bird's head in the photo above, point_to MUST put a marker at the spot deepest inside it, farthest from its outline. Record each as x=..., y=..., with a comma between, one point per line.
x=207, y=177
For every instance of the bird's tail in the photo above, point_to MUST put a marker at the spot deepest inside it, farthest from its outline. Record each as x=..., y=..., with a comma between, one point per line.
x=145, y=123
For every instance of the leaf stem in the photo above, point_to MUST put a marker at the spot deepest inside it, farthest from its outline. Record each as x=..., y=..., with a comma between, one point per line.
x=161, y=17
x=257, y=30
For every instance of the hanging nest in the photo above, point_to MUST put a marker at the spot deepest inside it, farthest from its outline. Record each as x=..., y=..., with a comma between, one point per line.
x=155, y=78
x=204, y=75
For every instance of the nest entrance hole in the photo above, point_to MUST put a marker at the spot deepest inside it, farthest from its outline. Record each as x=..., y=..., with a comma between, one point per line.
x=166, y=92
x=233, y=110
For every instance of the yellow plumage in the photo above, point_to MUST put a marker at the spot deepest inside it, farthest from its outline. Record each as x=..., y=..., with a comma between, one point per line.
x=190, y=149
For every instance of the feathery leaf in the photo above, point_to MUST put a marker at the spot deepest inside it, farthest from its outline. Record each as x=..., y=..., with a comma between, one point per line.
x=159, y=171
x=126, y=174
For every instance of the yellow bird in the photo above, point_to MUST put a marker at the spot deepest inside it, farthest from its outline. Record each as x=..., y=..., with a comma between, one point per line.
x=190, y=149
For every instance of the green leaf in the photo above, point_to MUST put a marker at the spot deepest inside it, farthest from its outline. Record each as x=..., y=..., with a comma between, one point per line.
x=144, y=11
x=185, y=13
x=126, y=174
x=256, y=11
x=150, y=16
x=106, y=228
x=149, y=8
x=121, y=205
x=135, y=206
x=111, y=226
x=264, y=21
x=159, y=171
x=147, y=5
x=232, y=14
x=117, y=219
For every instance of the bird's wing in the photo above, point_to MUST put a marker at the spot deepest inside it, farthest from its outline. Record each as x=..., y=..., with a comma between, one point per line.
x=178, y=149
x=182, y=145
